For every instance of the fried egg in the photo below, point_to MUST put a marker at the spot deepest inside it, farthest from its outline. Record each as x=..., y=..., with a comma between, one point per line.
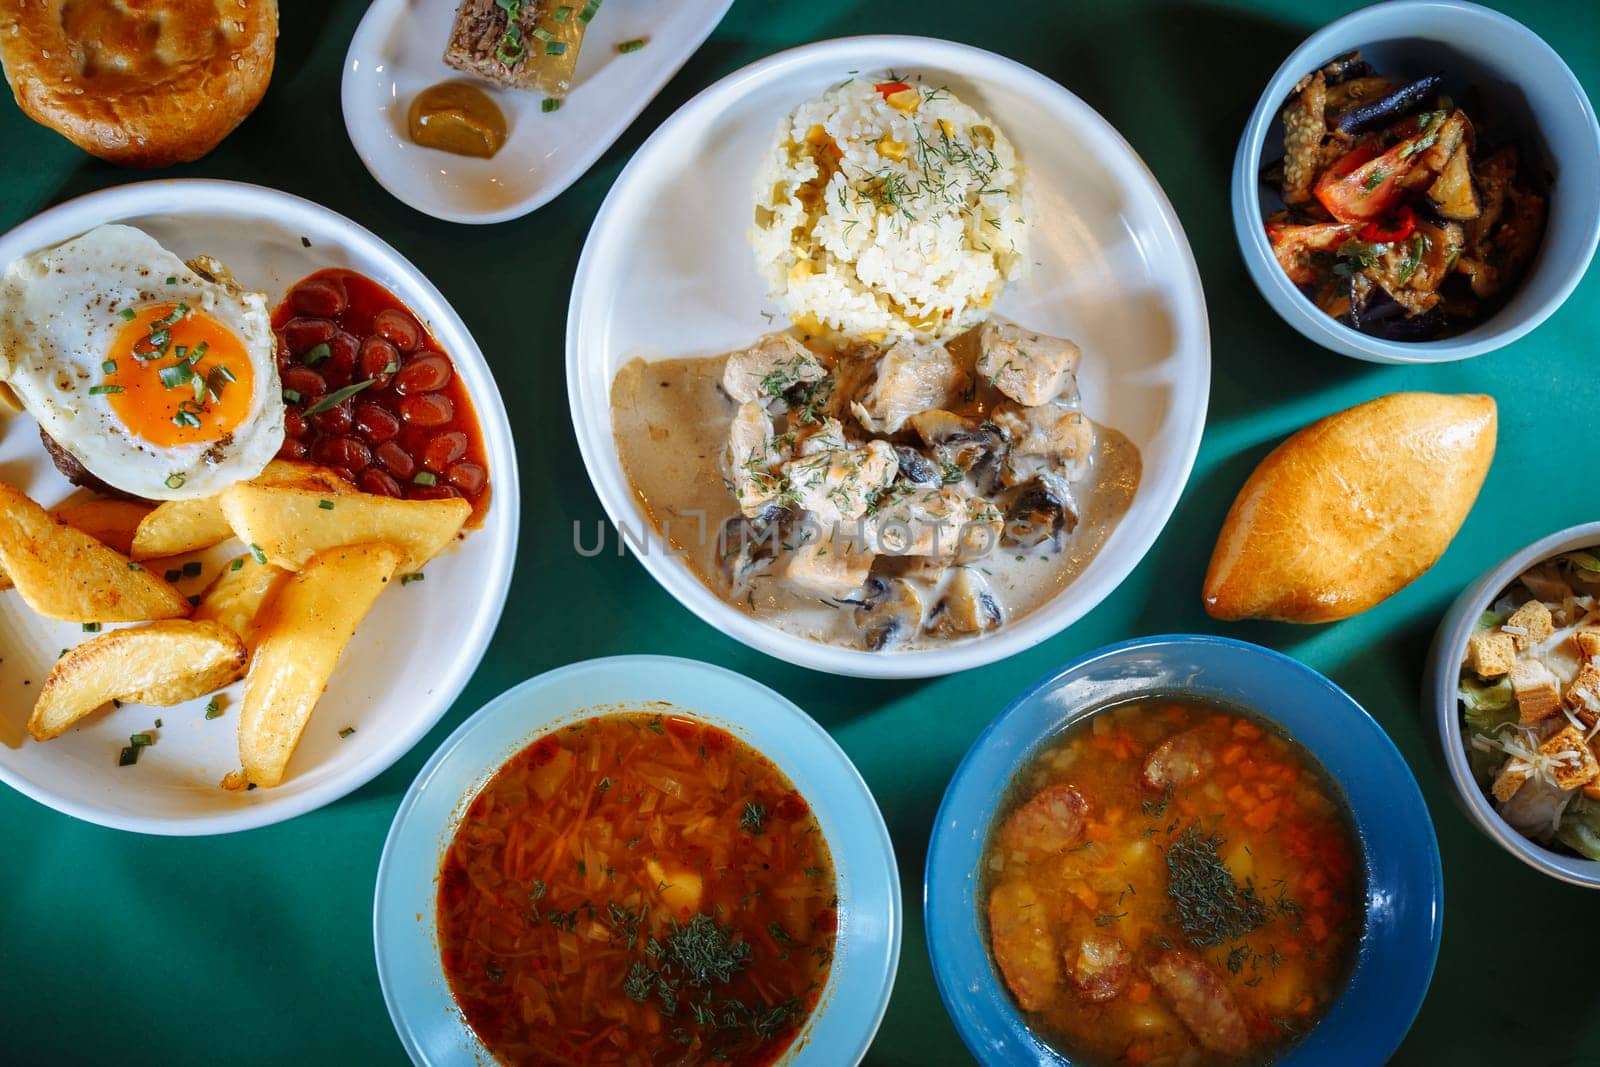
x=161, y=380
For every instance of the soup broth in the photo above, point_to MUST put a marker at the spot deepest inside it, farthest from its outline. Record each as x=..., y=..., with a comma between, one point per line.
x=637, y=889
x=1171, y=883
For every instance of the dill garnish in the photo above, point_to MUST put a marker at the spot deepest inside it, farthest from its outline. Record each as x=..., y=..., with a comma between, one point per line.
x=1210, y=906
x=754, y=817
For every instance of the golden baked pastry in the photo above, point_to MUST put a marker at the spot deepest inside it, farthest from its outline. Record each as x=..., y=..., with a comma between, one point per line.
x=1349, y=510
x=144, y=83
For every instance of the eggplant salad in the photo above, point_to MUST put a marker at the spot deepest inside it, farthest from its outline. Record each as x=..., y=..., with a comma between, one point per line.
x=1397, y=218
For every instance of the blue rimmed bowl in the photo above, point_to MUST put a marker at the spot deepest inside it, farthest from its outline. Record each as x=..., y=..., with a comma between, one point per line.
x=1404, y=887
x=1530, y=92
x=867, y=953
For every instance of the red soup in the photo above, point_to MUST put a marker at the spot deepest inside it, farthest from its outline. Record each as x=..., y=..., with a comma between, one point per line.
x=372, y=395
x=637, y=889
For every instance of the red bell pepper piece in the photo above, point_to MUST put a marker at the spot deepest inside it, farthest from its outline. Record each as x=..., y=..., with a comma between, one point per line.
x=1405, y=223
x=888, y=89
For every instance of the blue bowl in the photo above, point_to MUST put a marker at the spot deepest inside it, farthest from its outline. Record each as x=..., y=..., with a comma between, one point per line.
x=1405, y=886
x=1532, y=94
x=867, y=952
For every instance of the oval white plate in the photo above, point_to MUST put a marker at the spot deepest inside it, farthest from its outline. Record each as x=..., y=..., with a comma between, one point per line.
x=409, y=660
x=667, y=271
x=404, y=909
x=398, y=50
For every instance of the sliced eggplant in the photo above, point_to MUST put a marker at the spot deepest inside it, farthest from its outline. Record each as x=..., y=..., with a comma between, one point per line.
x=1378, y=313
x=1371, y=114
x=1346, y=66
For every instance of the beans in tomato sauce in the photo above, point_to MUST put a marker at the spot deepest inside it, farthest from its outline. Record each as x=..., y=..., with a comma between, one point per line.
x=371, y=394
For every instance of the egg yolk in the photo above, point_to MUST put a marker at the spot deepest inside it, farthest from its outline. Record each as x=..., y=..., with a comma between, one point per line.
x=177, y=376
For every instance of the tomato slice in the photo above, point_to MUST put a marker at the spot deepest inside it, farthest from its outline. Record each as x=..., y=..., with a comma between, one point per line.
x=1405, y=223
x=1363, y=185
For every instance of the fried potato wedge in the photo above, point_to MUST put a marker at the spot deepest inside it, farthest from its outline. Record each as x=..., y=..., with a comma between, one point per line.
x=291, y=525
x=235, y=596
x=111, y=522
x=301, y=633
x=160, y=664
x=64, y=573
x=177, y=527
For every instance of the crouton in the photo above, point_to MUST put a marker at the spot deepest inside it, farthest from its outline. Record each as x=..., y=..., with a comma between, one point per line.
x=1537, y=692
x=1507, y=782
x=1530, y=624
x=1588, y=642
x=1583, y=695
x=1576, y=764
x=1491, y=653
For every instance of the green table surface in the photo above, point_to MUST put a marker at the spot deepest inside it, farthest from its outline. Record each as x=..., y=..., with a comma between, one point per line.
x=257, y=947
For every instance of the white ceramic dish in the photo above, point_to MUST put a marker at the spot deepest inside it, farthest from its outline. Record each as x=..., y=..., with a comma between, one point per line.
x=667, y=271
x=398, y=49
x=409, y=660
x=404, y=918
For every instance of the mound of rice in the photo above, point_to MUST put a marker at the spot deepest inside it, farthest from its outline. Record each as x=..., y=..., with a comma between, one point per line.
x=885, y=211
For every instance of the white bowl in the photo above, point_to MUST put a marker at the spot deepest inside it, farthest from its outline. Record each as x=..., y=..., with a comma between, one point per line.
x=1444, y=677
x=398, y=50
x=667, y=271
x=409, y=660
x=1531, y=91
x=404, y=910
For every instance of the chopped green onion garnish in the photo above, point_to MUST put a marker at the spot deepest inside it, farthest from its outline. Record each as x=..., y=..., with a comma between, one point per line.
x=317, y=355
x=407, y=579
x=561, y=14
x=236, y=564
x=550, y=103
x=129, y=756
x=334, y=399
x=198, y=351
x=347, y=731
x=177, y=374
x=172, y=280
x=200, y=389
x=158, y=724
x=213, y=708
x=109, y=367
x=555, y=48
x=127, y=314
x=134, y=567
x=175, y=481
x=325, y=505
x=291, y=396
x=104, y=390
x=543, y=34
x=632, y=46
x=225, y=374
x=191, y=569
x=91, y=627
x=590, y=9
x=260, y=556
x=425, y=478
x=182, y=351
x=217, y=380
x=175, y=317
x=141, y=740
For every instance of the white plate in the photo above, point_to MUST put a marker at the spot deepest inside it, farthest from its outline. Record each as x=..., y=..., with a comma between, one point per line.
x=409, y=660
x=668, y=272
x=398, y=51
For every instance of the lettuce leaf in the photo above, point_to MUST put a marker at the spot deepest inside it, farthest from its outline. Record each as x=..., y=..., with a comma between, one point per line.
x=1580, y=828
x=1487, y=705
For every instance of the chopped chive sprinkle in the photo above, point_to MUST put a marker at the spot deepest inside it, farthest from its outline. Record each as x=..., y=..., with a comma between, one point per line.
x=172, y=279
x=191, y=569
x=174, y=574
x=325, y=505
x=104, y=390
x=291, y=396
x=182, y=351
x=425, y=478
x=260, y=556
x=129, y=756
x=91, y=627
x=632, y=46
x=141, y=740
x=550, y=103
x=317, y=355
x=334, y=399
x=407, y=579
x=213, y=708
x=236, y=564
x=134, y=567
x=391, y=366
x=175, y=481
x=109, y=367
x=127, y=314
x=158, y=724
x=347, y=731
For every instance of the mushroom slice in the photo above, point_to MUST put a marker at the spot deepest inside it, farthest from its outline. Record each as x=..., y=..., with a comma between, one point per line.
x=747, y=546
x=963, y=446
x=966, y=607
x=1039, y=514
x=911, y=377
x=918, y=469
x=889, y=613
x=769, y=368
x=1031, y=368
x=1051, y=437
